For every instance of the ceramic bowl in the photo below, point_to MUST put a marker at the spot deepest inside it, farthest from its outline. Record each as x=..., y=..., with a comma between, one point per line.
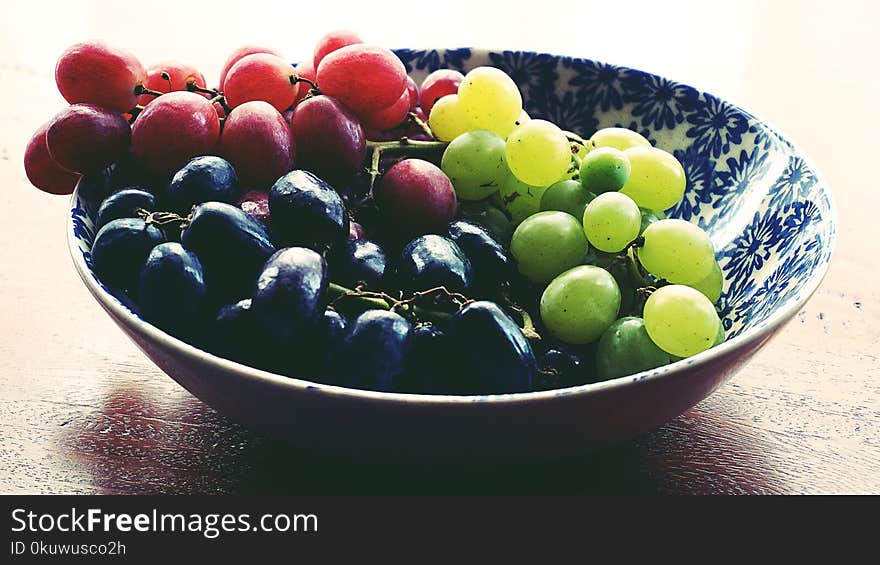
x=769, y=214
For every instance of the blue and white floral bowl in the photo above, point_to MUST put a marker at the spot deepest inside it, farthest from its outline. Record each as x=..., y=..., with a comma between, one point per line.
x=770, y=215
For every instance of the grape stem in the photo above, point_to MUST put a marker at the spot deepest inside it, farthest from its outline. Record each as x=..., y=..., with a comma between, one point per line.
x=141, y=89
x=367, y=300
x=403, y=146
x=193, y=87
x=414, y=118
x=313, y=91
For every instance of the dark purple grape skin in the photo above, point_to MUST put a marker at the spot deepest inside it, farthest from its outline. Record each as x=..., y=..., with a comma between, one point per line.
x=359, y=261
x=172, y=289
x=289, y=294
x=426, y=359
x=124, y=204
x=129, y=172
x=307, y=212
x=324, y=348
x=232, y=247
x=493, y=355
x=491, y=262
x=85, y=138
x=330, y=141
x=559, y=369
x=235, y=336
x=120, y=250
x=203, y=179
x=431, y=261
x=374, y=351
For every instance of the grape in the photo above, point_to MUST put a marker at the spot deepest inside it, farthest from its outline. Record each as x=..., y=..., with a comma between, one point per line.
x=413, y=89
x=491, y=354
x=389, y=117
x=625, y=349
x=437, y=85
x=447, y=119
x=173, y=129
x=258, y=143
x=179, y=76
x=567, y=196
x=329, y=140
x=491, y=263
x=519, y=199
x=289, y=293
x=42, y=171
x=171, y=289
x=96, y=73
x=538, y=153
x=238, y=55
x=721, y=337
x=416, y=197
x=306, y=211
x=307, y=71
x=649, y=217
x=474, y=162
x=203, y=179
x=619, y=138
x=681, y=320
x=547, y=244
x=84, y=138
x=431, y=261
x=359, y=261
x=657, y=179
x=261, y=76
x=124, y=204
x=612, y=221
x=365, y=78
x=490, y=217
x=255, y=203
x=677, y=251
x=120, y=250
x=373, y=351
x=711, y=286
x=234, y=334
x=580, y=304
x=523, y=118
x=425, y=355
x=333, y=41
x=490, y=100
x=604, y=169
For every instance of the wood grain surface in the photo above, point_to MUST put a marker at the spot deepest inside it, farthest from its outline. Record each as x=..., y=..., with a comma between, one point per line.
x=83, y=411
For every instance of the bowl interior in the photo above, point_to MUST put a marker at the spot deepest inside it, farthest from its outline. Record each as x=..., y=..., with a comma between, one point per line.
x=770, y=218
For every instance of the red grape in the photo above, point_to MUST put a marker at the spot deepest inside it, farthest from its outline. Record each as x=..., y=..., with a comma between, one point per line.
x=261, y=76
x=180, y=74
x=413, y=90
x=95, y=73
x=43, y=172
x=437, y=85
x=256, y=203
x=416, y=197
x=365, y=78
x=330, y=139
x=173, y=129
x=84, y=138
x=258, y=143
x=389, y=117
x=355, y=231
x=239, y=54
x=304, y=70
x=333, y=41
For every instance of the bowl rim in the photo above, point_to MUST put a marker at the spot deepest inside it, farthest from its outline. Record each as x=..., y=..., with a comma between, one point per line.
x=748, y=337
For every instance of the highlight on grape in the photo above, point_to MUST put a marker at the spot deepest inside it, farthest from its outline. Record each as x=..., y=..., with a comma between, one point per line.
x=335, y=221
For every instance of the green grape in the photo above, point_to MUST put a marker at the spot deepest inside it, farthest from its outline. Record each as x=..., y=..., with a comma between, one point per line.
x=712, y=284
x=474, y=162
x=580, y=304
x=611, y=222
x=567, y=196
x=677, y=251
x=490, y=217
x=657, y=179
x=523, y=118
x=519, y=199
x=538, y=153
x=649, y=217
x=619, y=138
x=721, y=337
x=680, y=320
x=448, y=120
x=547, y=244
x=604, y=169
x=490, y=99
x=625, y=349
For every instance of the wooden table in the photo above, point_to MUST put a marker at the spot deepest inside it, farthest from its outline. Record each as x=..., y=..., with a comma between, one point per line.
x=82, y=411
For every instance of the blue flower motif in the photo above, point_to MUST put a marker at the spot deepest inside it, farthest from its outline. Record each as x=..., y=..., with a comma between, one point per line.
x=564, y=112
x=598, y=84
x=82, y=226
x=455, y=58
x=794, y=184
x=733, y=302
x=701, y=188
x=530, y=71
x=802, y=215
x=662, y=103
x=751, y=249
x=738, y=180
x=428, y=60
x=716, y=125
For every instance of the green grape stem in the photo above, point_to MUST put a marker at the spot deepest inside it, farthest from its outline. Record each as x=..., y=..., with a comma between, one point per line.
x=404, y=146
